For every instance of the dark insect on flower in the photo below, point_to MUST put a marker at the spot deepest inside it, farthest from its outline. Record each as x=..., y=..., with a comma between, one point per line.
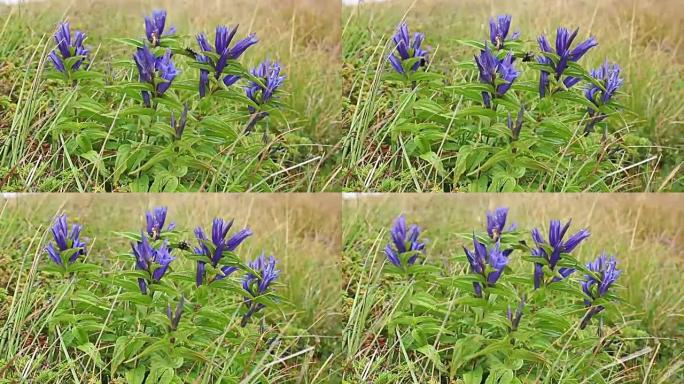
x=219, y=231
x=496, y=221
x=481, y=257
x=67, y=243
x=405, y=50
x=558, y=247
x=564, y=41
x=406, y=242
x=179, y=126
x=609, y=77
x=269, y=74
x=223, y=38
x=155, y=222
x=258, y=284
x=154, y=27
x=498, y=31
x=515, y=319
x=515, y=129
x=154, y=261
x=155, y=70
x=597, y=285
x=500, y=74
x=174, y=317
x=68, y=47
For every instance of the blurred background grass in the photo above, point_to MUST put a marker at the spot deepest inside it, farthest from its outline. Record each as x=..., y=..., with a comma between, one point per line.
x=644, y=231
x=646, y=37
x=301, y=230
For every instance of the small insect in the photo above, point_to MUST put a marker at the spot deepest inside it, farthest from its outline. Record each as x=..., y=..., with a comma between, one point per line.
x=155, y=39
x=184, y=245
x=527, y=57
x=499, y=42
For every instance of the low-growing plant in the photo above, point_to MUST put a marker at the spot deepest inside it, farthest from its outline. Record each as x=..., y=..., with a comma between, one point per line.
x=515, y=307
x=145, y=124
x=160, y=320
x=516, y=118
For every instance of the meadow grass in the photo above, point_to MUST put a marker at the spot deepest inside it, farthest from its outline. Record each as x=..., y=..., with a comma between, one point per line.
x=644, y=37
x=643, y=231
x=302, y=231
x=302, y=34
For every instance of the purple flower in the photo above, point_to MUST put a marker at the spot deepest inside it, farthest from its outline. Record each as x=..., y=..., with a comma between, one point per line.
x=223, y=38
x=154, y=70
x=597, y=285
x=68, y=47
x=406, y=241
x=500, y=74
x=269, y=74
x=405, y=49
x=219, y=231
x=179, y=126
x=154, y=27
x=564, y=41
x=258, y=284
x=65, y=241
x=480, y=258
x=558, y=247
x=496, y=221
x=155, y=222
x=498, y=31
x=609, y=77
x=154, y=261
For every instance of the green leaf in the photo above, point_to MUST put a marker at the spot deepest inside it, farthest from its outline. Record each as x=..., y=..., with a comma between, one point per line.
x=431, y=353
x=474, y=376
x=118, y=355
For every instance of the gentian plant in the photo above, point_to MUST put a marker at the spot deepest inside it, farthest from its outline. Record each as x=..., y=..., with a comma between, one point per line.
x=174, y=142
x=150, y=319
x=483, y=125
x=483, y=314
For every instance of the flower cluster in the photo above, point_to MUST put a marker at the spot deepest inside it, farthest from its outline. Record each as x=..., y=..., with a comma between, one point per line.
x=407, y=245
x=68, y=246
x=498, y=31
x=258, y=284
x=155, y=261
x=154, y=27
x=596, y=285
x=564, y=39
x=215, y=249
x=405, y=50
x=269, y=74
x=155, y=220
x=68, y=48
x=608, y=75
x=551, y=252
x=217, y=57
x=496, y=223
x=499, y=73
x=489, y=263
x=156, y=71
